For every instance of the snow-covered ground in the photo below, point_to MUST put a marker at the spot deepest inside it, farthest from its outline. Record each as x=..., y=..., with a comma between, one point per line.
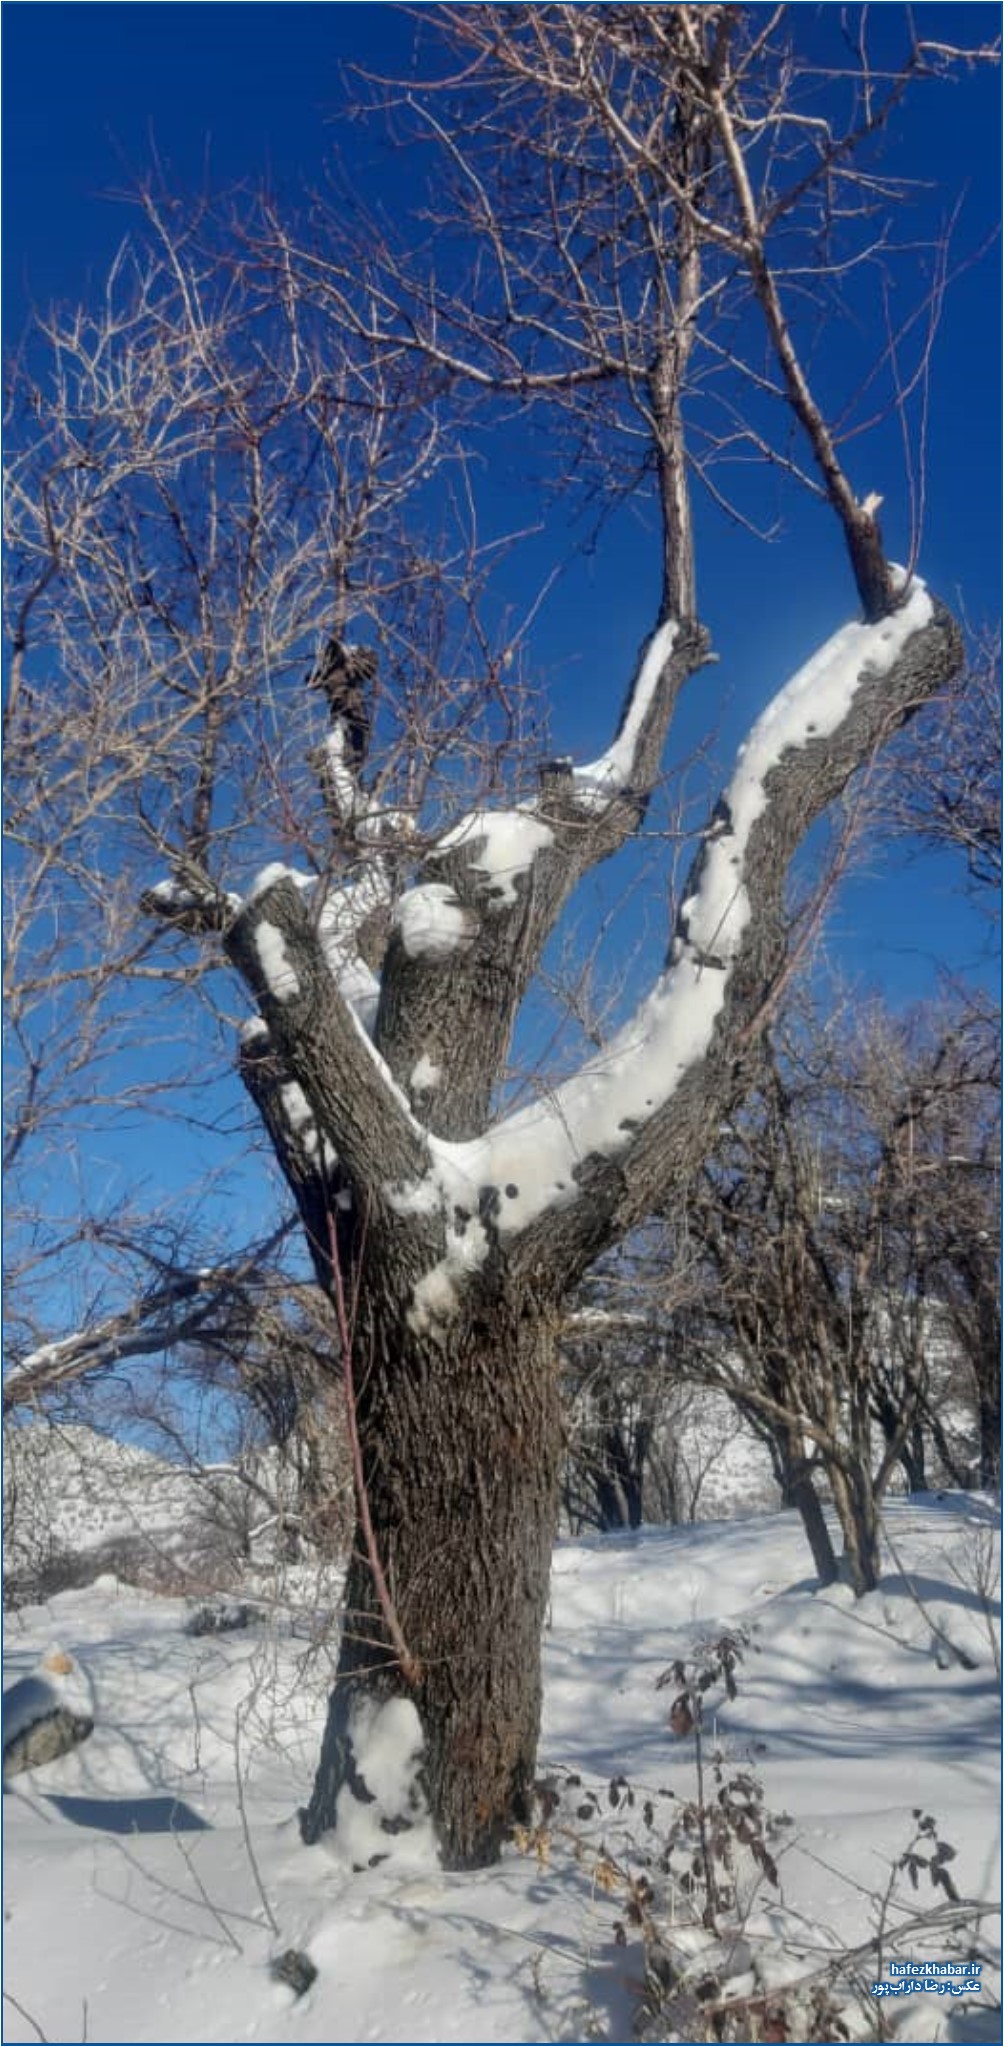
x=155, y=1873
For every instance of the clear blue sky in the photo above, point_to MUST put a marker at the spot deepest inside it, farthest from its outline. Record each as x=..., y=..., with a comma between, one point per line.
x=220, y=94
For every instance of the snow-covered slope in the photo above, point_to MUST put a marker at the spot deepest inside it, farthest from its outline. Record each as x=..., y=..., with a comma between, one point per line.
x=70, y=1493
x=146, y=1900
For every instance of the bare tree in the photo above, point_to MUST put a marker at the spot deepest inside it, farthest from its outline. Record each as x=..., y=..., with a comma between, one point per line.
x=199, y=486
x=195, y=478
x=617, y=1388
x=214, y=1308
x=944, y=788
x=647, y=1439
x=233, y=463
x=830, y=1223
x=952, y=1133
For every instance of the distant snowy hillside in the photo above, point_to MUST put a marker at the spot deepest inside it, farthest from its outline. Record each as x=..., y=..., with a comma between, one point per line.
x=72, y=1493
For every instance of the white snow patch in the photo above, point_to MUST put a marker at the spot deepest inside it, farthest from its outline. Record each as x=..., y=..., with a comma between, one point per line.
x=425, y=1076
x=299, y=1117
x=508, y=842
x=345, y=909
x=176, y=895
x=279, y=971
x=424, y=1954
x=596, y=784
x=342, y=913
x=253, y=1029
x=435, y=1301
x=377, y=826
x=432, y=922
x=295, y=1106
x=302, y=1123
x=436, y=1295
x=416, y=1197
x=344, y=786
x=172, y=893
x=276, y=871
x=41, y=1359
x=388, y=1745
x=531, y=1158
x=360, y=987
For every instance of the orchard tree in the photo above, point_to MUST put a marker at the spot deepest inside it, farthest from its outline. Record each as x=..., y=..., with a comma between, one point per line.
x=259, y=445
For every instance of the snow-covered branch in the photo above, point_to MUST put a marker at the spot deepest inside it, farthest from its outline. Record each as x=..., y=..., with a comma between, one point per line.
x=319, y=1033
x=339, y=914
x=468, y=937
x=601, y=1150
x=191, y=902
x=192, y=1307
x=616, y=770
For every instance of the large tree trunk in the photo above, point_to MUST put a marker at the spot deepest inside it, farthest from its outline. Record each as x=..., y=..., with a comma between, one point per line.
x=461, y=1443
x=802, y=1494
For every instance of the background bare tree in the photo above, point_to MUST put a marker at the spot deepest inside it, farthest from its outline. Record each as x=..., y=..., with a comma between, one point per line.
x=258, y=446
x=834, y=1259
x=951, y=1138
x=195, y=477
x=945, y=774
x=649, y=1436
x=623, y=1397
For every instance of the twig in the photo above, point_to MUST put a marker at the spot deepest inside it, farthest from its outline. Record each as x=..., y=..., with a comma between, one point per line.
x=246, y=1830
x=25, y=2014
x=958, y=1655
x=212, y=1908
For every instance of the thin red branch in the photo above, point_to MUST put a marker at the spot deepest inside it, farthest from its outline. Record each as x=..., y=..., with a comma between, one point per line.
x=410, y=1667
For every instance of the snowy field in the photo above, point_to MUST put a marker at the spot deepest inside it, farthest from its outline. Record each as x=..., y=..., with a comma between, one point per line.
x=155, y=1874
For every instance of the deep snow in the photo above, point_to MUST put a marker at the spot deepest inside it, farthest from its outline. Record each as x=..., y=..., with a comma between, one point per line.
x=146, y=1895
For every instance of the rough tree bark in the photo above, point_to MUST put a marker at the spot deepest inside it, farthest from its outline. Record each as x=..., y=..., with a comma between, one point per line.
x=464, y=1445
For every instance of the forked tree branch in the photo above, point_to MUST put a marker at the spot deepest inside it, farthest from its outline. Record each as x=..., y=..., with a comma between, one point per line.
x=561, y=1180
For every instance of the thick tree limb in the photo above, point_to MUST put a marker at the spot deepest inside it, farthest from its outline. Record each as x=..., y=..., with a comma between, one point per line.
x=321, y=1042
x=558, y=1181
x=309, y=1167
x=743, y=963
x=508, y=876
